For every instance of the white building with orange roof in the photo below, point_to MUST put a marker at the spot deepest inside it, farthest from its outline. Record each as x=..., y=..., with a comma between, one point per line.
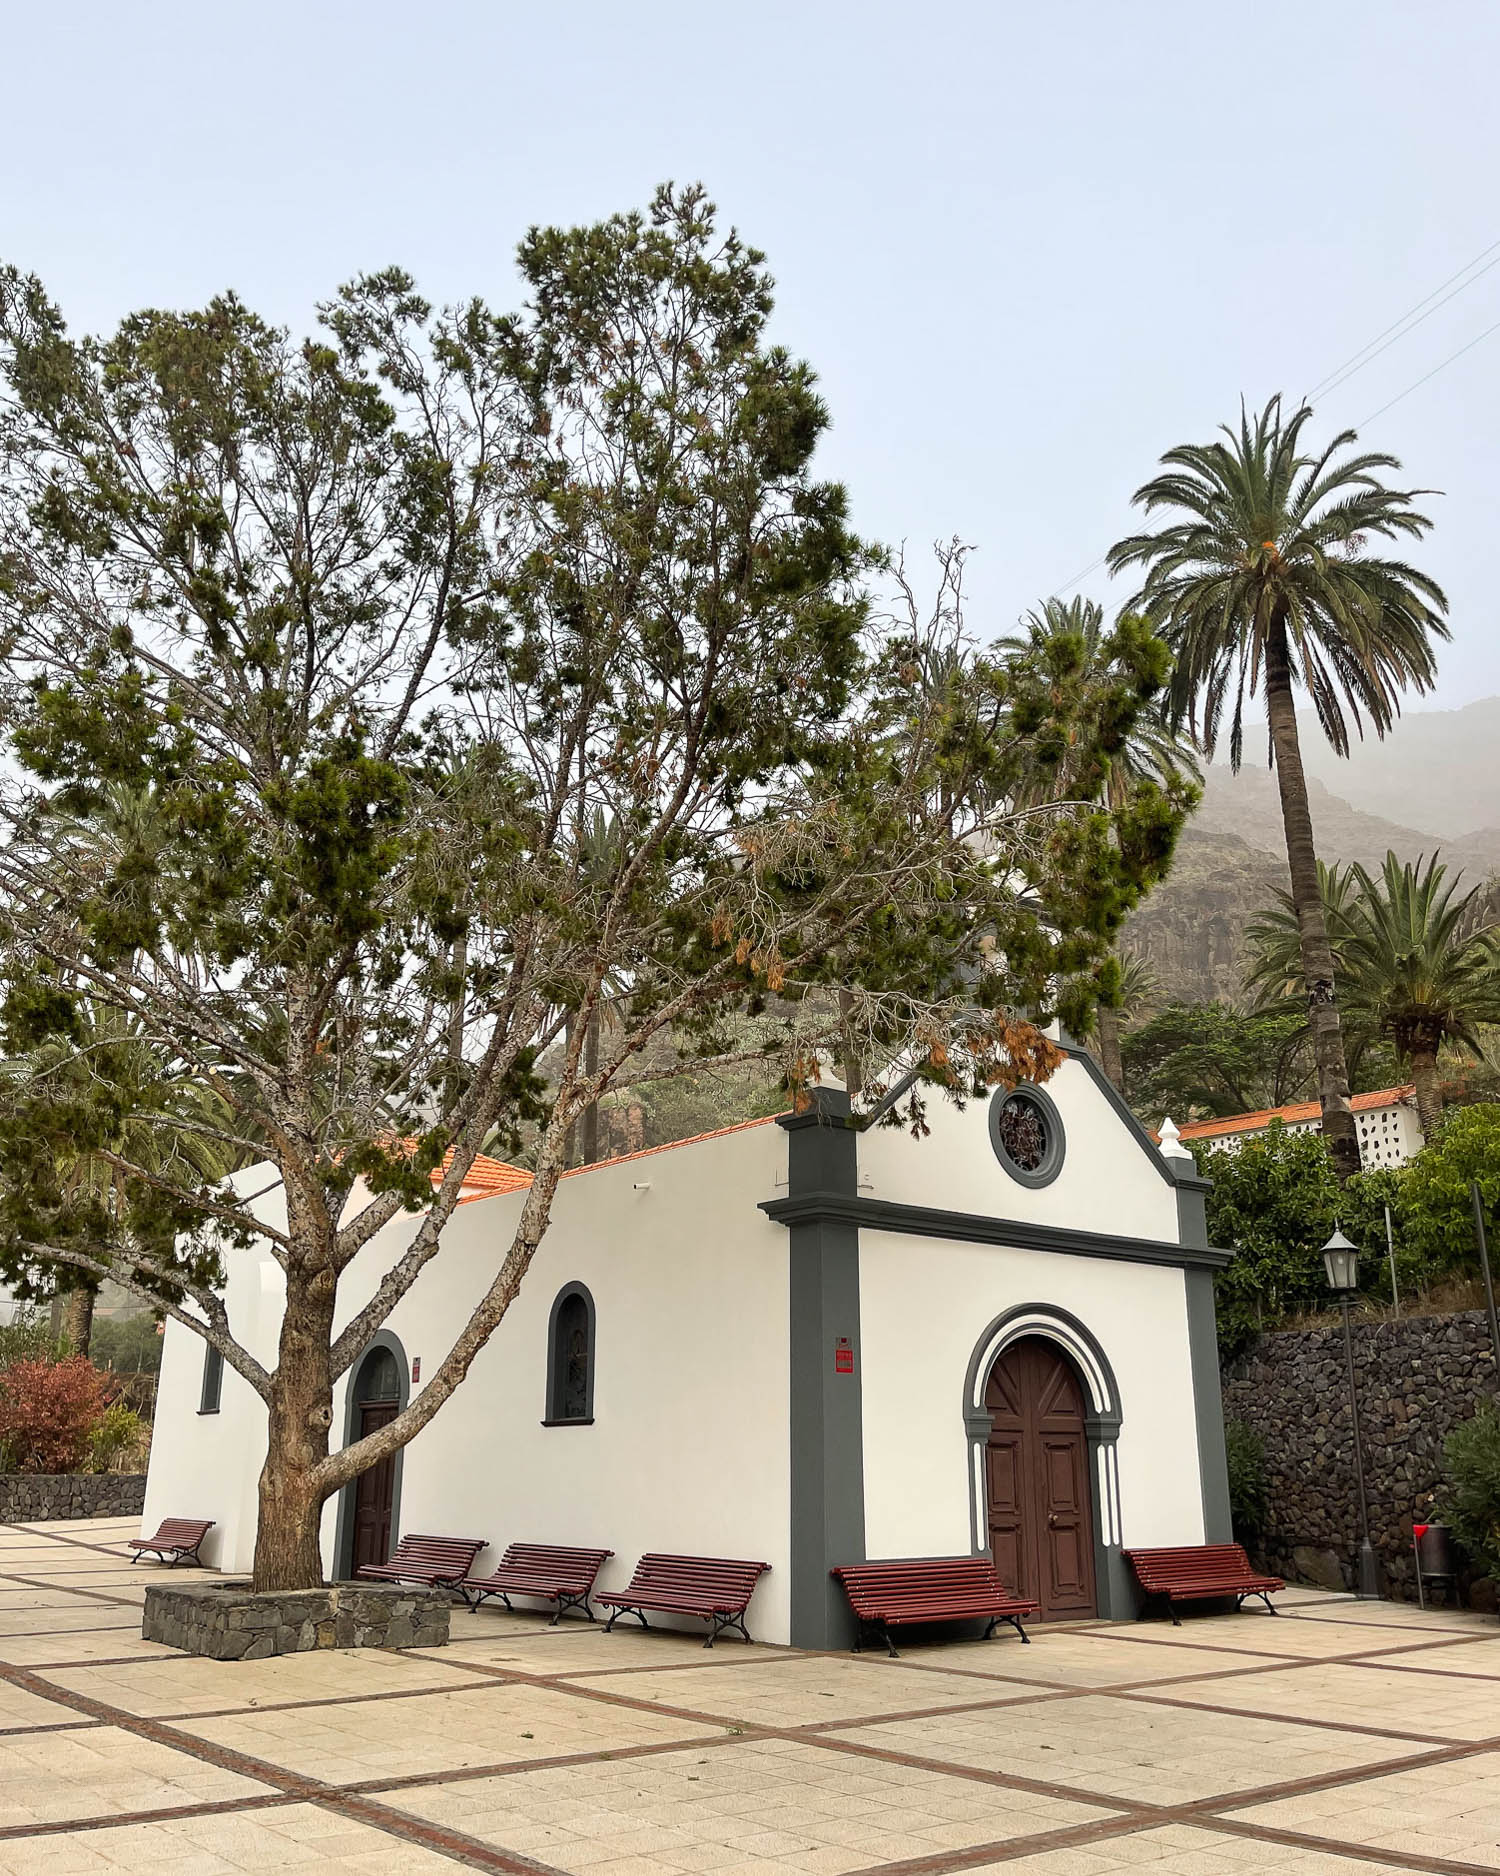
x=1389, y=1131
x=799, y=1340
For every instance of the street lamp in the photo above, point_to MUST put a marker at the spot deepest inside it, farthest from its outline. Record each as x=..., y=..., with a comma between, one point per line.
x=1341, y=1263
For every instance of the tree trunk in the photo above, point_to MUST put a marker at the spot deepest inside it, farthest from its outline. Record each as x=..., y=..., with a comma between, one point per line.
x=1317, y=954
x=589, y=1125
x=1109, y=1047
x=80, y=1319
x=1424, y=1072
x=288, y=1554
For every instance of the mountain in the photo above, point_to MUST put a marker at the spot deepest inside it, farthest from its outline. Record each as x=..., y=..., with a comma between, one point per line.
x=1439, y=769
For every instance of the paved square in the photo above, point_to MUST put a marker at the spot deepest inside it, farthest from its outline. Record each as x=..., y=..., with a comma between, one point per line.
x=770, y=1804
x=1336, y=1738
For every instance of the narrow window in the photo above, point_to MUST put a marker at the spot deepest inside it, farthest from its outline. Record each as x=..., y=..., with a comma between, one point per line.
x=213, y=1381
x=570, y=1358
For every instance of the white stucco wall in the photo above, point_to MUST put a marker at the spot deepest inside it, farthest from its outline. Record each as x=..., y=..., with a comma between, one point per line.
x=917, y=1487
x=207, y=1465
x=1106, y=1184
x=689, y=1450
x=925, y=1302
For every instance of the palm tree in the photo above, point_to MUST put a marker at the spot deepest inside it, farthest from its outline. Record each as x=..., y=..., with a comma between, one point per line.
x=1420, y=965
x=1138, y=990
x=179, y=1133
x=1263, y=581
x=1070, y=638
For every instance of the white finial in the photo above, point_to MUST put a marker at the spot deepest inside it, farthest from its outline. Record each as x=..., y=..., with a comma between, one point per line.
x=1171, y=1141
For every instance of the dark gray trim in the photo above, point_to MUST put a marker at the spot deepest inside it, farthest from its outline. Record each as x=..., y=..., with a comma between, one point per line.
x=1076, y=1052
x=1113, y=1587
x=1108, y=1414
x=211, y=1393
x=1057, y=1135
x=926, y=1221
x=1203, y=1354
x=1208, y=1406
x=343, y=1542
x=827, y=1490
x=552, y=1417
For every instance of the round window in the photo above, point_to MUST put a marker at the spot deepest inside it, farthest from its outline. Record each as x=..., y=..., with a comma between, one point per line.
x=1026, y=1132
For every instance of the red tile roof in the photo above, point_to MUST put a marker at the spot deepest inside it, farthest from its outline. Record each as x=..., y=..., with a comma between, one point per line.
x=489, y=1178
x=670, y=1146
x=1298, y=1111
x=485, y=1178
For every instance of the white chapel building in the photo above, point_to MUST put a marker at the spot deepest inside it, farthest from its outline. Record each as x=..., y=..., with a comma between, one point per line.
x=794, y=1341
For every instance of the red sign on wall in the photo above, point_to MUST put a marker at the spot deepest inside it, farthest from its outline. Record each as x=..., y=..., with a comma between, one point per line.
x=843, y=1356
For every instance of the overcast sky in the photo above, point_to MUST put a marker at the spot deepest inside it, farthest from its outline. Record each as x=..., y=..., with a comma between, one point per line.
x=1026, y=247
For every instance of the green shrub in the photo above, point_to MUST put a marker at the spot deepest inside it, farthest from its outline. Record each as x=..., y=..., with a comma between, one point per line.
x=118, y=1441
x=1471, y=1504
x=128, y=1344
x=1249, y=1503
x=29, y=1338
x=1437, y=1211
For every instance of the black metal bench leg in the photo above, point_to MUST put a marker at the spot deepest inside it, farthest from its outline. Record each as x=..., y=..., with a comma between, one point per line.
x=1172, y=1611
x=1015, y=1622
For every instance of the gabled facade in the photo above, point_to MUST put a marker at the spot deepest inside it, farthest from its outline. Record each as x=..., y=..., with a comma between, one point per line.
x=791, y=1341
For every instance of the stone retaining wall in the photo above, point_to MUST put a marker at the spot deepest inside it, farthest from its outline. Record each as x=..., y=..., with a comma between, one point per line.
x=39, y=1497
x=1418, y=1377
x=229, y=1622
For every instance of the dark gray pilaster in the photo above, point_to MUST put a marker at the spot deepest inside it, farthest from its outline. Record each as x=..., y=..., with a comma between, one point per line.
x=827, y=1429
x=1203, y=1353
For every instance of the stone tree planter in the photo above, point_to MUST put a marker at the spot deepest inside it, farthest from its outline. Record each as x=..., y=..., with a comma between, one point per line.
x=228, y=1621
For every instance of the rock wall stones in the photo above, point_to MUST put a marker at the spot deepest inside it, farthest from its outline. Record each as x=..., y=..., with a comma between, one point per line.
x=229, y=1622
x=39, y=1497
x=1417, y=1377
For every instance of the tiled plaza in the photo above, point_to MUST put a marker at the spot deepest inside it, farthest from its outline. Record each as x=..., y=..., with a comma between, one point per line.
x=1334, y=1738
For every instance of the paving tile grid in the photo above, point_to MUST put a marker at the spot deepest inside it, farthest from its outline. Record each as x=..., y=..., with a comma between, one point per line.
x=1334, y=1737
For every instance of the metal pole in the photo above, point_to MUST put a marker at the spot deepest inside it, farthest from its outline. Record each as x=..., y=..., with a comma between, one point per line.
x=1484, y=1265
x=1390, y=1246
x=1367, y=1572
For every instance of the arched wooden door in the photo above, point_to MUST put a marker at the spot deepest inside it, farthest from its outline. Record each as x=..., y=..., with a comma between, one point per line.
x=1040, y=1513
x=377, y=1397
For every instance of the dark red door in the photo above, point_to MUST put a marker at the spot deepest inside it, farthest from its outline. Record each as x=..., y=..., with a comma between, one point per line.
x=374, y=1492
x=1040, y=1517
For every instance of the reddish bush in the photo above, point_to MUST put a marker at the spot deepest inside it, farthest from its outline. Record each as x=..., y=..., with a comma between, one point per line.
x=48, y=1409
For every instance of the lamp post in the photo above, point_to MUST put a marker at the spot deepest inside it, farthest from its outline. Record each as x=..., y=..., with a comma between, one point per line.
x=1341, y=1263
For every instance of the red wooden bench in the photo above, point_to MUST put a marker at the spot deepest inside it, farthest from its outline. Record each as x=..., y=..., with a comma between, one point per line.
x=175, y=1542
x=929, y=1589
x=436, y=1562
x=1199, y=1573
x=718, y=1589
x=557, y=1573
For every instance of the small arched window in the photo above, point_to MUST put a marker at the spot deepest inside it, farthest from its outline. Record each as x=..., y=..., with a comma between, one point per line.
x=379, y=1378
x=570, y=1358
x=213, y=1380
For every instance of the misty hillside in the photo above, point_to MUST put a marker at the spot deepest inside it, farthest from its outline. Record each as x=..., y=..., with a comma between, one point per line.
x=1433, y=785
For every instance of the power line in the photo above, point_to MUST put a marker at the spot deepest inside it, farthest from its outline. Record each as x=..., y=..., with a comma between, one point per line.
x=1430, y=374
x=1349, y=366
x=1356, y=361
x=1074, y=578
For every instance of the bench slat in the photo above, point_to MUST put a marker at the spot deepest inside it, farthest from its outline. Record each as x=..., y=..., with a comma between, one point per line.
x=716, y=1588
x=176, y=1540
x=930, y=1589
x=1201, y=1572
x=560, y=1573
x=422, y=1557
